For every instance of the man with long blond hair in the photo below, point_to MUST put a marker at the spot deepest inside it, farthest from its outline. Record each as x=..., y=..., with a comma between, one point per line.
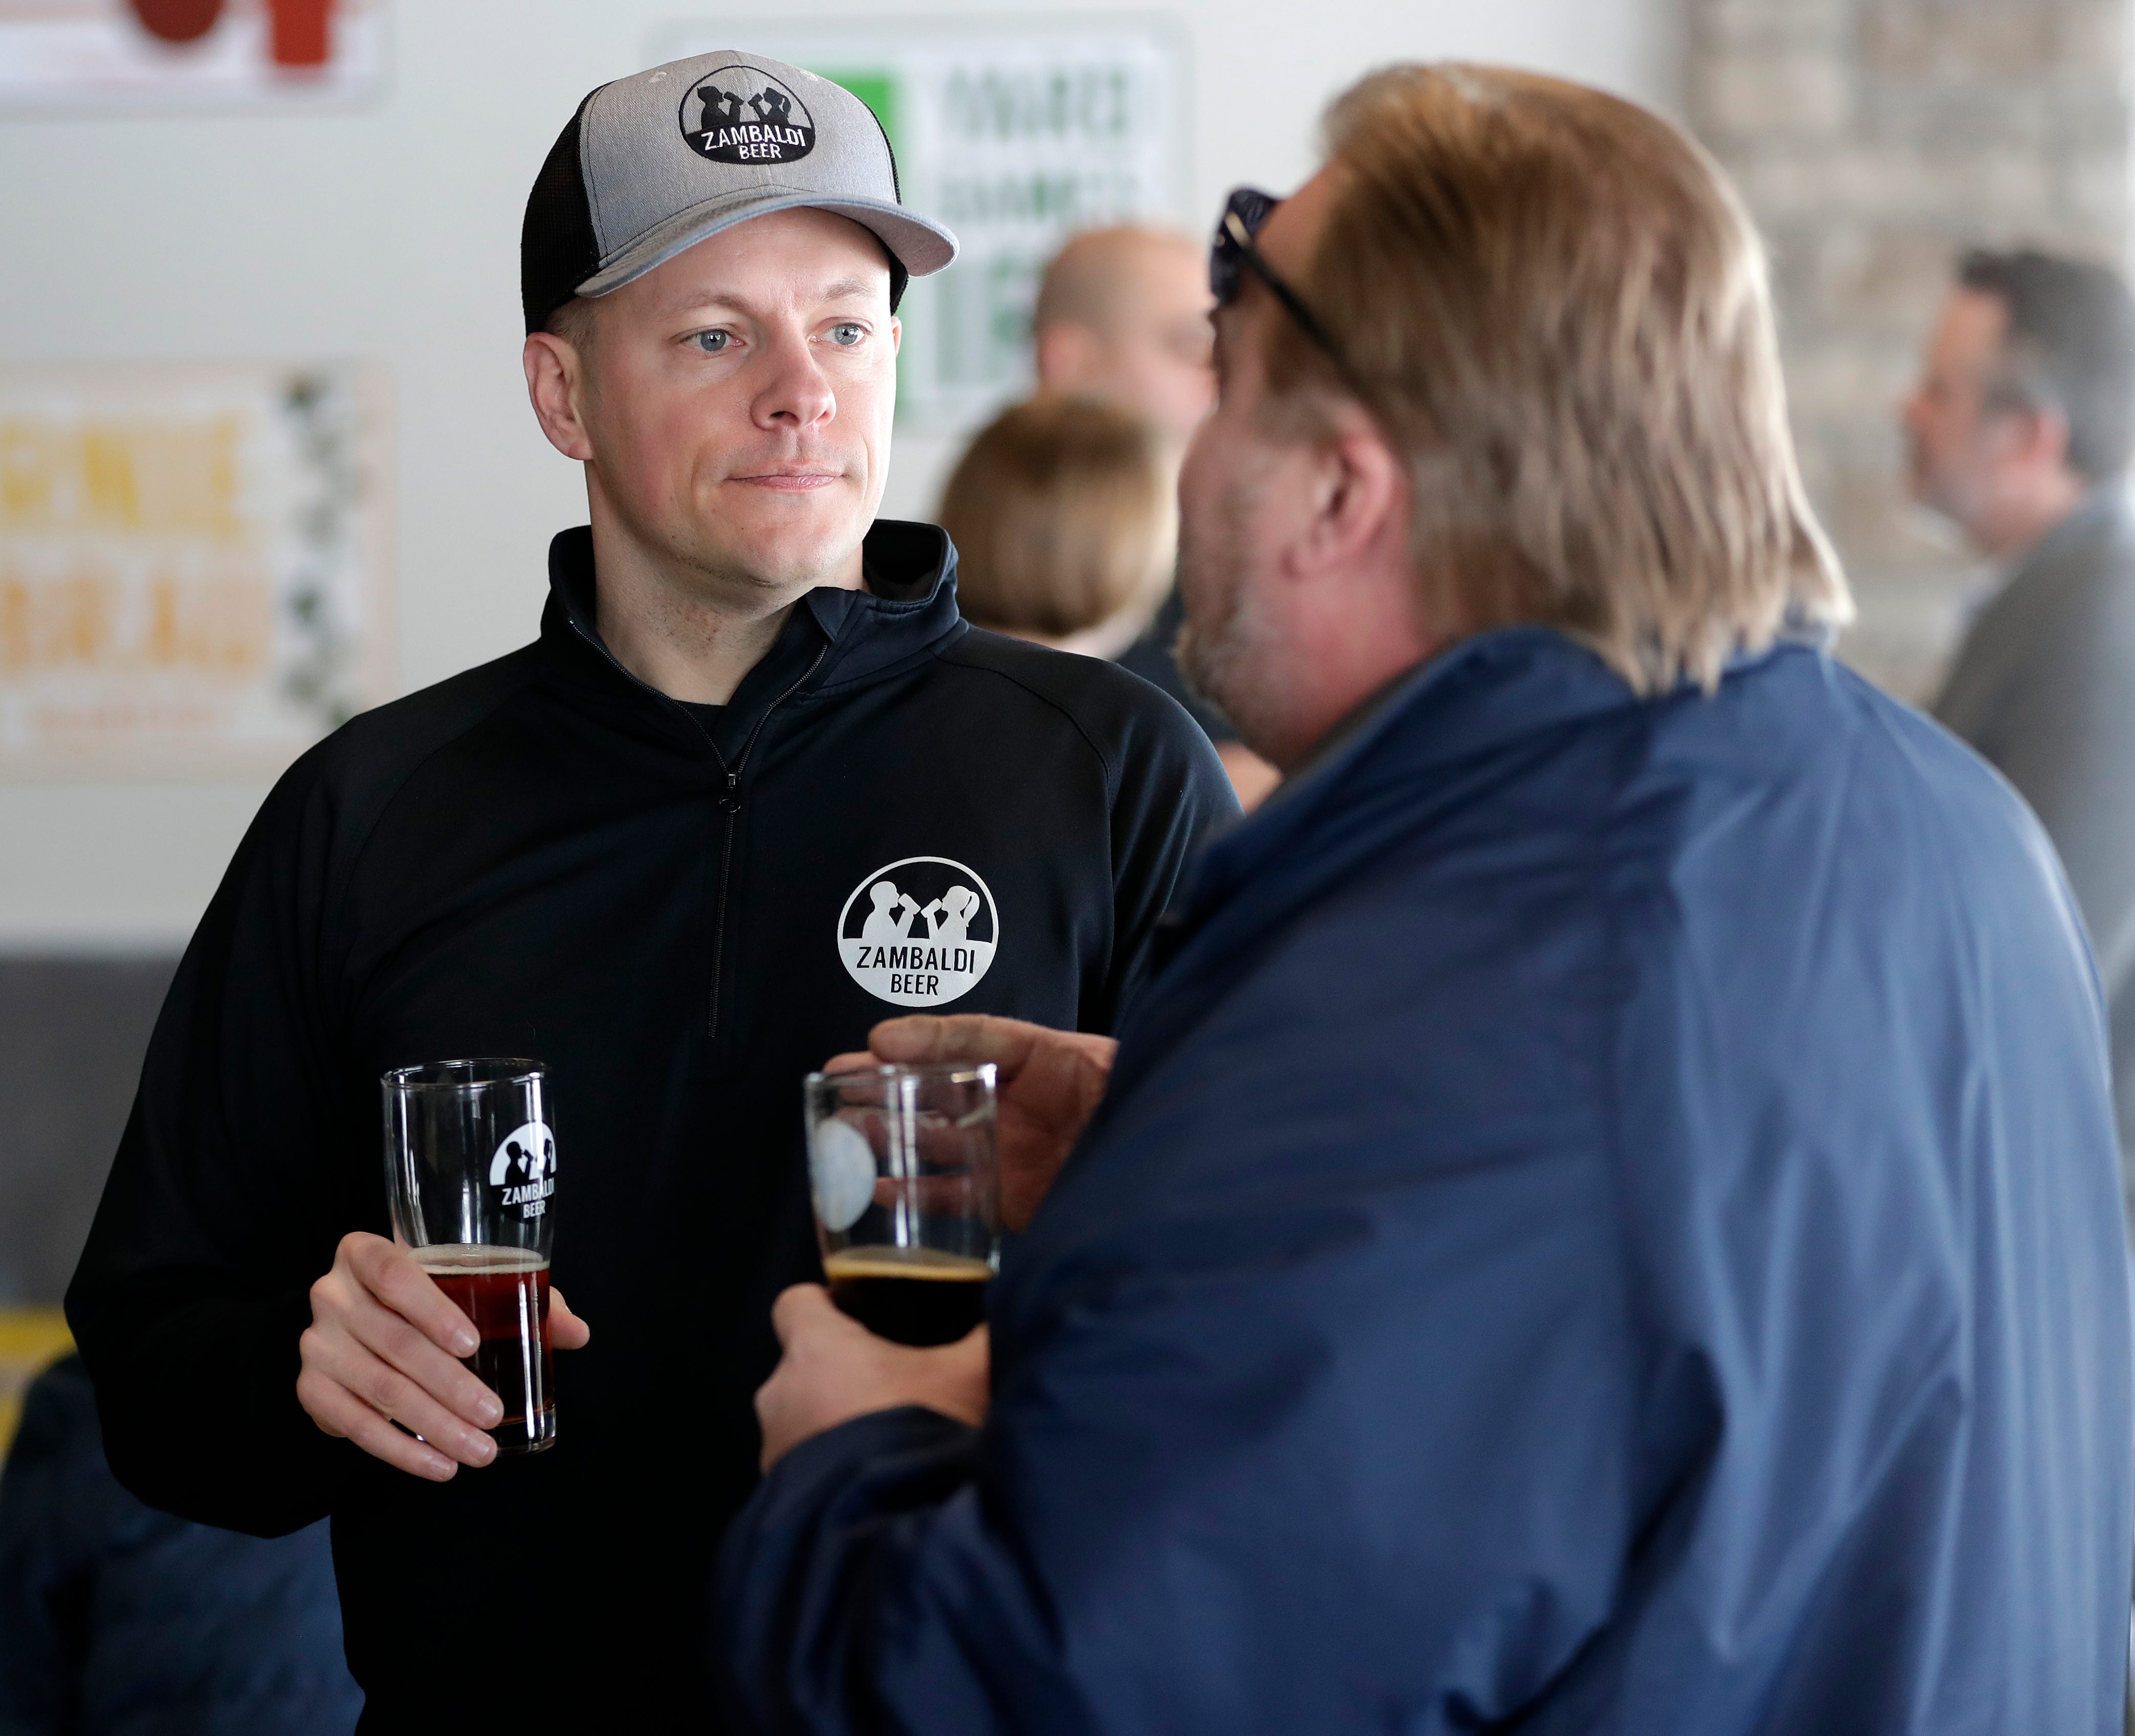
x=1606, y=1219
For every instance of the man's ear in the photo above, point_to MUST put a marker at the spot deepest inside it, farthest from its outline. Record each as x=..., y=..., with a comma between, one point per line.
x=555, y=372
x=1360, y=499
x=2046, y=439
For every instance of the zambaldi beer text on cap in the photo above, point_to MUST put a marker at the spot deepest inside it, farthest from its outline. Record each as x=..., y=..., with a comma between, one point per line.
x=738, y=114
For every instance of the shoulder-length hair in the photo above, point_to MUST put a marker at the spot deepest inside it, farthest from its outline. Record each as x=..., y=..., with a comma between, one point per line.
x=1554, y=305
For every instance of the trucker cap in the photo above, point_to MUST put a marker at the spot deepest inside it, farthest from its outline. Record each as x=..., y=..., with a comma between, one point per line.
x=653, y=163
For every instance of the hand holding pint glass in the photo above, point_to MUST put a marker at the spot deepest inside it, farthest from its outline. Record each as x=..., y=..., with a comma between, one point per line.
x=470, y=1171
x=906, y=1176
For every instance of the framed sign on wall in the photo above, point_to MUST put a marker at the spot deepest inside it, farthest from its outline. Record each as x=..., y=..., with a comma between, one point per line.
x=1015, y=133
x=194, y=565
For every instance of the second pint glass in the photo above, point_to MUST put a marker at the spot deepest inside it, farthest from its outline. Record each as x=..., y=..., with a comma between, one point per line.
x=906, y=1176
x=471, y=1170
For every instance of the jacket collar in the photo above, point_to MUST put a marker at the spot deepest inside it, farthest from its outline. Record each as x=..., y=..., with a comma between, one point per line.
x=1481, y=694
x=1406, y=745
x=2099, y=513
x=832, y=637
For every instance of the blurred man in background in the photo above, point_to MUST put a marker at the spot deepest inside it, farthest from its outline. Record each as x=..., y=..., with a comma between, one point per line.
x=2020, y=429
x=1122, y=317
x=1605, y=1220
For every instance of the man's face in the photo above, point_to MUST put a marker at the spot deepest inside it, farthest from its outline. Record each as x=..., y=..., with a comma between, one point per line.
x=1955, y=455
x=738, y=401
x=1242, y=492
x=1152, y=356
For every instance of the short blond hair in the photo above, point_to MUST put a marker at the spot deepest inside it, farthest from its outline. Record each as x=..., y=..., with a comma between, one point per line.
x=1063, y=516
x=1554, y=305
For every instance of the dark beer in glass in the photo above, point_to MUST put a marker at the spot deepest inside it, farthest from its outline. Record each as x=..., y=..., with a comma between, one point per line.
x=470, y=1171
x=906, y=1175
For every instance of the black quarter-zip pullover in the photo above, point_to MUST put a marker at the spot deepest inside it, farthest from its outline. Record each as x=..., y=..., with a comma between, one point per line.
x=680, y=911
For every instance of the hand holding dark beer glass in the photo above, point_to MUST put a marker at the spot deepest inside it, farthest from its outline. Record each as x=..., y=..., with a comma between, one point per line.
x=906, y=1176
x=1048, y=1084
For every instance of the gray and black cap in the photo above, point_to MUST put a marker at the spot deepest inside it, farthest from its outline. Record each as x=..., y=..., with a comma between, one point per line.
x=654, y=163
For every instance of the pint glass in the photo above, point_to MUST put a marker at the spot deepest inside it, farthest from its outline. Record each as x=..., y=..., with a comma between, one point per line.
x=470, y=1171
x=906, y=1175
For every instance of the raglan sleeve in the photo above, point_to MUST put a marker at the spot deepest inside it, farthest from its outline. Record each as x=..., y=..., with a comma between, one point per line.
x=220, y=1212
x=1169, y=794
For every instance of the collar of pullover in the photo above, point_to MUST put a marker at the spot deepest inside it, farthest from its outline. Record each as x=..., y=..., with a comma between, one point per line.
x=832, y=638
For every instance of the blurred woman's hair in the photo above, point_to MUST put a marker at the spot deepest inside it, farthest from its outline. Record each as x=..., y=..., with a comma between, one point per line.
x=1065, y=520
x=1553, y=303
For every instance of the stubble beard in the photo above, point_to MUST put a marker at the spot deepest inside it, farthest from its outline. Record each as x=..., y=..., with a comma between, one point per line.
x=1224, y=651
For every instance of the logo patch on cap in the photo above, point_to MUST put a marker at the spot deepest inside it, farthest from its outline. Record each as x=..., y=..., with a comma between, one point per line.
x=737, y=114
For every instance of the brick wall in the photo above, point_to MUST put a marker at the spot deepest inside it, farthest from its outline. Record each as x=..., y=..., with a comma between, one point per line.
x=1875, y=139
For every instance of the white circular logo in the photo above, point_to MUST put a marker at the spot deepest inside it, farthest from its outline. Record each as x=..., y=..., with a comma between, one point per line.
x=919, y=932
x=841, y=1168
x=524, y=1166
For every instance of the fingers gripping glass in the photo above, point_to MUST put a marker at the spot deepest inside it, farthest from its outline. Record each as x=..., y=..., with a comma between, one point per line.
x=1234, y=252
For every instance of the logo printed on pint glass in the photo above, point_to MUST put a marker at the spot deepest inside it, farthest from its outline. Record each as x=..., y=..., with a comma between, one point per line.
x=738, y=115
x=919, y=932
x=524, y=1166
x=841, y=1171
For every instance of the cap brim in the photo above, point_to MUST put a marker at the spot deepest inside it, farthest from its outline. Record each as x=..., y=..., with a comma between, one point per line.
x=921, y=247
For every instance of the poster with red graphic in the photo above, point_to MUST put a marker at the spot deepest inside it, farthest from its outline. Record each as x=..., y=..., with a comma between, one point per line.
x=76, y=54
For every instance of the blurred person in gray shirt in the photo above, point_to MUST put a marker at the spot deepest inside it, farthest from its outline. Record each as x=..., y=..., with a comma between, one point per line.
x=2020, y=431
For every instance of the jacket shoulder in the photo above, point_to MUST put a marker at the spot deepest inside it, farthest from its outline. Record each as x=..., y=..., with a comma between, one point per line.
x=358, y=769
x=401, y=733
x=1922, y=753
x=1119, y=713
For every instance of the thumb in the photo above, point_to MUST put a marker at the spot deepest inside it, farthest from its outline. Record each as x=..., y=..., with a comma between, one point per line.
x=566, y=1330
x=797, y=1307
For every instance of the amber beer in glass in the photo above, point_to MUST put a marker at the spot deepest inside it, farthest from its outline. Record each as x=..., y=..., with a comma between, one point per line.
x=906, y=1175
x=471, y=1172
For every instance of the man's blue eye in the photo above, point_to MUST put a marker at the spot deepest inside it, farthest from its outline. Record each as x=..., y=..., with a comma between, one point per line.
x=847, y=336
x=712, y=343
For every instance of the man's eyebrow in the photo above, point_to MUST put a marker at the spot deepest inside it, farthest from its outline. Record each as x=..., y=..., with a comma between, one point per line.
x=737, y=302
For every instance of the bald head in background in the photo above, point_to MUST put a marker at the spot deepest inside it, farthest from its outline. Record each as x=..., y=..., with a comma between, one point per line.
x=1123, y=316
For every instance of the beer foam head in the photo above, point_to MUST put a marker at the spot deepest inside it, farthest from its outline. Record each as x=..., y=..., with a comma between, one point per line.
x=464, y=1259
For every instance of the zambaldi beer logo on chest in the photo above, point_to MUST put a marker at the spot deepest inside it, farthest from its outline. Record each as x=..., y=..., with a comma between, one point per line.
x=738, y=115
x=919, y=932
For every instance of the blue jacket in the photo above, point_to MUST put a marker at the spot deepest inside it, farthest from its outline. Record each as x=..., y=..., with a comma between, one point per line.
x=1606, y=1221
x=116, y=1620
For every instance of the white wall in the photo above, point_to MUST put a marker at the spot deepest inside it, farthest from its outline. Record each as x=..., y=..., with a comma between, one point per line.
x=392, y=232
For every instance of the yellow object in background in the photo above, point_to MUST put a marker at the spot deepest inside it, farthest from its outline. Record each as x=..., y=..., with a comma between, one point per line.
x=30, y=1341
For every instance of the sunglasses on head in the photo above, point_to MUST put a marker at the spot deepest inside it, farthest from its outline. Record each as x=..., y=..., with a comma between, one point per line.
x=1234, y=252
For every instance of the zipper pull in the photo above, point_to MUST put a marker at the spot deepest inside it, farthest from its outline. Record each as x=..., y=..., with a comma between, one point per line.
x=730, y=803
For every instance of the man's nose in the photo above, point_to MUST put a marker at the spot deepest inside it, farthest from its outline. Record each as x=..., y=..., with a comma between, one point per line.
x=794, y=391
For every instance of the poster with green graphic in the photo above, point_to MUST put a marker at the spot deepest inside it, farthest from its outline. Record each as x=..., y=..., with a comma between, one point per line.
x=1015, y=135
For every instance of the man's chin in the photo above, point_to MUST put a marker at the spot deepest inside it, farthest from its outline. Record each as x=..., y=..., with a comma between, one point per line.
x=1204, y=668
x=790, y=545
